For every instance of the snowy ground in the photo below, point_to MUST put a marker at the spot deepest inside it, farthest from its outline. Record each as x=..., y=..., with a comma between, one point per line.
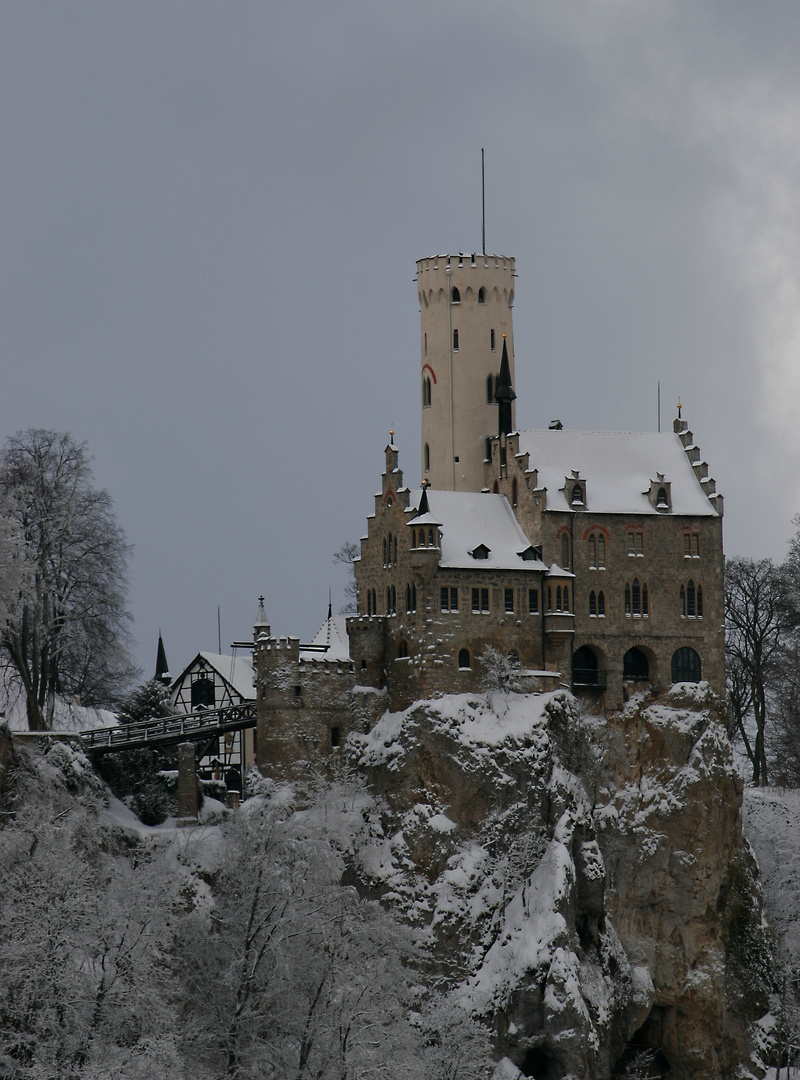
x=772, y=825
x=68, y=715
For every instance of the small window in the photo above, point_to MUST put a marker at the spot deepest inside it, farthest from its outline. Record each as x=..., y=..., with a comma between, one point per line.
x=593, y=603
x=481, y=295
x=662, y=502
x=426, y=344
x=509, y=601
x=514, y=492
x=627, y=600
x=601, y=605
x=335, y=736
x=566, y=598
x=533, y=601
x=645, y=603
x=558, y=598
x=449, y=598
x=601, y=552
x=427, y=457
x=565, y=551
x=402, y=649
x=549, y=598
x=699, y=601
x=636, y=594
x=455, y=296
x=577, y=495
x=480, y=601
x=426, y=393
x=691, y=545
x=489, y=389
x=430, y=538
x=691, y=610
x=592, y=552
x=491, y=338
x=513, y=656
x=464, y=660
x=487, y=453
x=683, y=602
x=635, y=542
x=455, y=341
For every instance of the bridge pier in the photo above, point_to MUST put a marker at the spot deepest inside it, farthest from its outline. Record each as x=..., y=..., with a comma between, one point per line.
x=187, y=785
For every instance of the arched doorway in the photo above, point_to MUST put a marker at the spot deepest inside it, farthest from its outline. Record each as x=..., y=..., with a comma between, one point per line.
x=635, y=665
x=686, y=665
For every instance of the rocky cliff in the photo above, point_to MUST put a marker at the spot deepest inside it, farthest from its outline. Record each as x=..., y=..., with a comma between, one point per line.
x=582, y=879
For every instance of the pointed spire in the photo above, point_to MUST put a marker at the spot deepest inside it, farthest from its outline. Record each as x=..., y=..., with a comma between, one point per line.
x=504, y=393
x=261, y=618
x=330, y=608
x=162, y=667
x=423, y=507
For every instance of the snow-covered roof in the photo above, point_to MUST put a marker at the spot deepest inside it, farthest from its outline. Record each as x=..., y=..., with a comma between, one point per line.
x=469, y=519
x=331, y=643
x=618, y=467
x=236, y=670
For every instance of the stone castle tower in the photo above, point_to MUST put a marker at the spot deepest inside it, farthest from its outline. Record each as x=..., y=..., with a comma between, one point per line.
x=466, y=309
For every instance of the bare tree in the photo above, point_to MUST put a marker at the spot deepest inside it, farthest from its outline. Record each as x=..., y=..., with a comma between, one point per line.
x=66, y=629
x=758, y=623
x=347, y=554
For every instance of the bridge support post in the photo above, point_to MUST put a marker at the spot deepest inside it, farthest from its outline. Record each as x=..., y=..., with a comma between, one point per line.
x=187, y=785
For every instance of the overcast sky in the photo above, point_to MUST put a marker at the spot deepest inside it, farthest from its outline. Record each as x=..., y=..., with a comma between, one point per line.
x=211, y=215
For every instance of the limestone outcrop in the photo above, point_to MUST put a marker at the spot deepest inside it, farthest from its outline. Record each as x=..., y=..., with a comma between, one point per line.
x=582, y=879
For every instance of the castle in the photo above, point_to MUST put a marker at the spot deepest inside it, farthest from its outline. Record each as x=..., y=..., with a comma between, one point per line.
x=591, y=559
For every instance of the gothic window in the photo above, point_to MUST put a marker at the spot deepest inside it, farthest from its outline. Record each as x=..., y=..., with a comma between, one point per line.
x=394, y=600
x=426, y=392
x=601, y=552
x=491, y=338
x=627, y=599
x=635, y=665
x=388, y=600
x=645, y=604
x=565, y=551
x=430, y=538
x=455, y=296
x=408, y=599
x=395, y=551
x=592, y=552
x=691, y=610
x=601, y=605
x=489, y=389
x=427, y=458
x=558, y=598
x=455, y=341
x=487, y=454
x=686, y=666
x=413, y=538
x=566, y=598
x=384, y=551
x=636, y=598
x=533, y=601
x=509, y=601
x=549, y=598
x=481, y=295
x=699, y=601
x=464, y=659
x=593, y=603
x=402, y=649
x=426, y=344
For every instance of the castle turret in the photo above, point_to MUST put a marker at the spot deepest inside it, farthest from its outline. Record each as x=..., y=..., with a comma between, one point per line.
x=466, y=319
x=504, y=396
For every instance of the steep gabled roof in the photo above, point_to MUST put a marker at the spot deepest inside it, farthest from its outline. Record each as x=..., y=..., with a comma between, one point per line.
x=237, y=671
x=468, y=520
x=618, y=467
x=330, y=643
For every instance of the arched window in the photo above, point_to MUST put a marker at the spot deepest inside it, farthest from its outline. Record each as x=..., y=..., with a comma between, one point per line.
x=430, y=538
x=413, y=537
x=481, y=295
x=636, y=598
x=489, y=389
x=455, y=341
x=699, y=601
x=549, y=598
x=635, y=665
x=427, y=458
x=593, y=603
x=661, y=499
x=592, y=552
x=388, y=600
x=577, y=495
x=645, y=605
x=426, y=344
x=394, y=600
x=584, y=667
x=464, y=659
x=686, y=666
x=395, y=551
x=402, y=649
x=683, y=602
x=601, y=605
x=627, y=599
x=565, y=551
x=514, y=492
x=203, y=693
x=455, y=296
x=691, y=610
x=408, y=599
x=426, y=392
x=384, y=551
x=558, y=598
x=566, y=598
x=601, y=552
x=491, y=339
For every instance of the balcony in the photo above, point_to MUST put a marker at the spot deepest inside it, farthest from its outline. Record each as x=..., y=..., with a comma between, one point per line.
x=591, y=678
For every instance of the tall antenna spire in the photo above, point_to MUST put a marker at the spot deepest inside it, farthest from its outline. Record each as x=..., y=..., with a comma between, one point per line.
x=483, y=205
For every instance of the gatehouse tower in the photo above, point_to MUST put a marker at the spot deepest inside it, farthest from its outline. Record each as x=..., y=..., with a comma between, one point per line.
x=465, y=305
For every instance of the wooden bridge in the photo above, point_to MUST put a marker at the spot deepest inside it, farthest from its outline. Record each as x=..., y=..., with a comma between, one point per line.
x=205, y=724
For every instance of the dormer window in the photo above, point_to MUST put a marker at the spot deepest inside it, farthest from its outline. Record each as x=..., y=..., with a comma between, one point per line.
x=661, y=499
x=575, y=490
x=480, y=552
x=577, y=496
x=660, y=494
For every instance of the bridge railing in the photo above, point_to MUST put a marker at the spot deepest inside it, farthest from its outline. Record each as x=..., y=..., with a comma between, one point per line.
x=188, y=727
